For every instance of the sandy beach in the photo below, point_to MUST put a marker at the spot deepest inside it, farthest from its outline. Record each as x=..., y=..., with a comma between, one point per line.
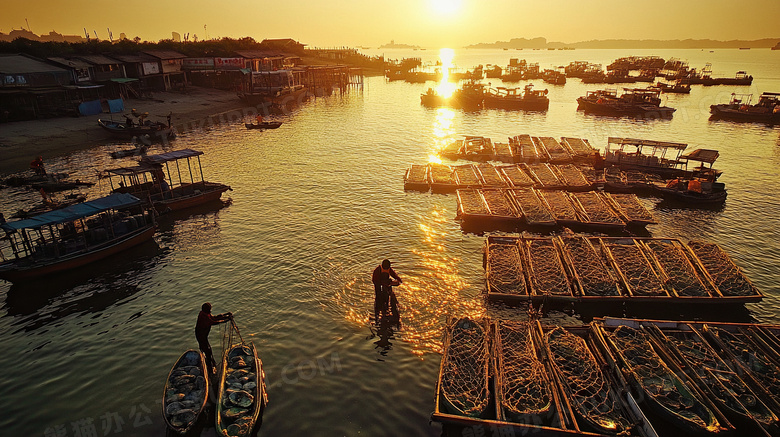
x=21, y=142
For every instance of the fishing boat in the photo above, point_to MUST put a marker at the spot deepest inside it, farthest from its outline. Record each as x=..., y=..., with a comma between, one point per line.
x=554, y=77
x=695, y=191
x=242, y=395
x=153, y=181
x=432, y=99
x=660, y=157
x=50, y=204
x=633, y=102
x=524, y=391
x=186, y=392
x=73, y=237
x=513, y=98
x=767, y=110
x=584, y=384
x=659, y=386
x=679, y=87
x=263, y=125
x=156, y=131
x=463, y=387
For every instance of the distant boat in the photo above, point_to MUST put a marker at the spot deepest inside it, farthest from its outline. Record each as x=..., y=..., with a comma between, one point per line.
x=263, y=125
x=767, y=110
x=512, y=98
x=155, y=131
x=634, y=102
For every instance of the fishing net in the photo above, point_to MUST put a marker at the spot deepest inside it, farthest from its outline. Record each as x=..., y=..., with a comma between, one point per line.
x=595, y=209
x=524, y=388
x=631, y=207
x=572, y=176
x=544, y=174
x=655, y=379
x=470, y=203
x=526, y=148
x=583, y=382
x=578, y=146
x=533, y=209
x=466, y=175
x=760, y=364
x=546, y=270
x=504, y=269
x=490, y=176
x=417, y=174
x=464, y=372
x=560, y=205
x=640, y=277
x=681, y=274
x=517, y=177
x=726, y=385
x=724, y=273
x=554, y=149
x=498, y=203
x=442, y=174
x=590, y=269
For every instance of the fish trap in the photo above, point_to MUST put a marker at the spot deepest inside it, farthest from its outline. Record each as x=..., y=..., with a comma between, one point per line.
x=523, y=383
x=588, y=268
x=504, y=270
x=721, y=269
x=464, y=376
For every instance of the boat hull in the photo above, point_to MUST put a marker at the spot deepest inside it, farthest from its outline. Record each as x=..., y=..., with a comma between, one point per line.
x=201, y=365
x=177, y=204
x=155, y=132
x=10, y=272
x=264, y=125
x=732, y=112
x=620, y=110
x=258, y=393
x=522, y=104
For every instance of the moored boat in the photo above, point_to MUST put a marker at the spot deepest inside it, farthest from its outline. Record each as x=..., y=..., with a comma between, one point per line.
x=767, y=110
x=634, y=102
x=512, y=98
x=263, y=125
x=242, y=395
x=172, y=191
x=156, y=131
x=186, y=392
x=73, y=237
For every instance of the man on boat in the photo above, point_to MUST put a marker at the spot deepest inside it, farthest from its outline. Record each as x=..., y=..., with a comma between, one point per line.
x=384, y=297
x=37, y=166
x=202, y=329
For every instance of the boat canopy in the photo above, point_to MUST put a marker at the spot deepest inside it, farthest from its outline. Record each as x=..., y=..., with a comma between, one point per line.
x=650, y=143
x=702, y=155
x=171, y=156
x=129, y=171
x=74, y=212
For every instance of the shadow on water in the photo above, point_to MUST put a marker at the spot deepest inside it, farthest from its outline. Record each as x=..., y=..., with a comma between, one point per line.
x=86, y=290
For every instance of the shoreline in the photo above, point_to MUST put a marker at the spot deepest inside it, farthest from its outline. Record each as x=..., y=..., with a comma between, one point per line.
x=22, y=141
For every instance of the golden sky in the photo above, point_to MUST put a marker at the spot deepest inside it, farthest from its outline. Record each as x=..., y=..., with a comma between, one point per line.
x=428, y=23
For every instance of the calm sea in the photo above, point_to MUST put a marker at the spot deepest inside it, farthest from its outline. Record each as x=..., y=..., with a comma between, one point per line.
x=316, y=204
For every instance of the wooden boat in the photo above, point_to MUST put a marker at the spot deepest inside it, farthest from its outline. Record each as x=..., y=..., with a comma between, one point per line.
x=516, y=177
x=638, y=276
x=572, y=177
x=556, y=153
x=679, y=87
x=629, y=209
x=73, y=237
x=167, y=192
x=633, y=102
x=546, y=272
x=466, y=176
x=676, y=267
x=186, y=392
x=691, y=352
x=561, y=207
x=432, y=99
x=661, y=388
x=156, y=131
x=767, y=110
x=490, y=176
x=242, y=394
x=464, y=374
x=579, y=148
x=721, y=271
x=523, y=389
x=593, y=211
x=587, y=389
x=590, y=274
x=545, y=176
x=513, y=98
x=534, y=210
x=525, y=149
x=660, y=157
x=264, y=125
x=712, y=193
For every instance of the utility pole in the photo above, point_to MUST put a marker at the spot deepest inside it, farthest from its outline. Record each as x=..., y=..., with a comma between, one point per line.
x=28, y=25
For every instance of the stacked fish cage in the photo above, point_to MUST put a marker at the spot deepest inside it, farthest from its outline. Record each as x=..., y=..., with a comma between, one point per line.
x=597, y=270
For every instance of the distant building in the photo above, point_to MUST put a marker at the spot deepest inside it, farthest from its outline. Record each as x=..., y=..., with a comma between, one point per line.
x=31, y=88
x=176, y=36
x=170, y=63
x=288, y=45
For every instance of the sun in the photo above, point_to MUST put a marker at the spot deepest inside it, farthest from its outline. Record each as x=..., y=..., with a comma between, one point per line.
x=445, y=7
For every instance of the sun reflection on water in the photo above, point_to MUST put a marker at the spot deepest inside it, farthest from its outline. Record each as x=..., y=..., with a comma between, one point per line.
x=445, y=88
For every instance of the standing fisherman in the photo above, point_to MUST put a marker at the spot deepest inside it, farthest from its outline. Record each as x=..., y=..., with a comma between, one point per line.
x=202, y=329
x=384, y=297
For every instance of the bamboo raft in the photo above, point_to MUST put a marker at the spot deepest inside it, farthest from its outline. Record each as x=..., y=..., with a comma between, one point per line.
x=556, y=153
x=722, y=271
x=466, y=176
x=579, y=148
x=490, y=176
x=524, y=149
x=504, y=267
x=523, y=389
x=442, y=179
x=533, y=209
x=629, y=209
x=503, y=152
x=516, y=177
x=561, y=207
x=464, y=371
x=546, y=271
x=416, y=178
x=544, y=176
x=500, y=205
x=572, y=177
x=607, y=269
x=471, y=205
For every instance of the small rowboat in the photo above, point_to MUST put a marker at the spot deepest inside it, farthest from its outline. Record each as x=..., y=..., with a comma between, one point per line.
x=263, y=125
x=242, y=393
x=186, y=392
